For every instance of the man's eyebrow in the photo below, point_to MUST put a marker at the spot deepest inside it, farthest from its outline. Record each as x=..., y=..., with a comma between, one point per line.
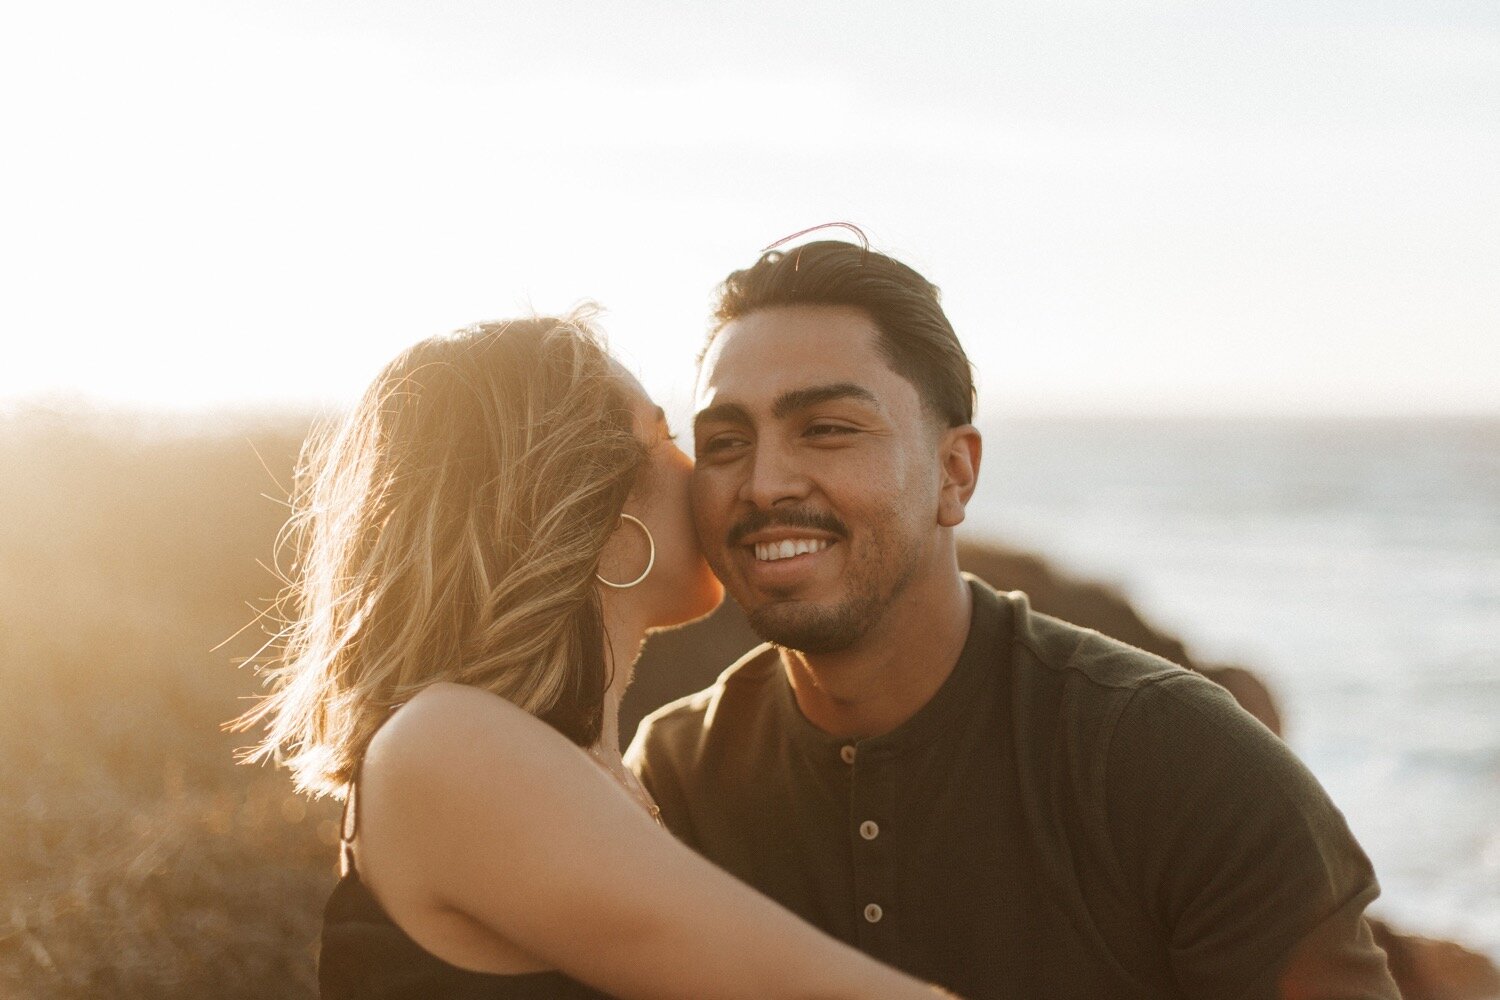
x=731, y=412
x=787, y=403
x=800, y=399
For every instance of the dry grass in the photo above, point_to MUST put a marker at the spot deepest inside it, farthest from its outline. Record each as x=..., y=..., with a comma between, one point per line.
x=136, y=858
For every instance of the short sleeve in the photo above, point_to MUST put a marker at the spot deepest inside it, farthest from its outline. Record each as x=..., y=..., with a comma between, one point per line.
x=1237, y=853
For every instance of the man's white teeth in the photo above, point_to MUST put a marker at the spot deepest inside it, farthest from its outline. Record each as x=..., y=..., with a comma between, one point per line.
x=771, y=551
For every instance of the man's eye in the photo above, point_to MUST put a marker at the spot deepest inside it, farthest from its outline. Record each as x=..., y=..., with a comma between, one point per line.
x=719, y=445
x=828, y=430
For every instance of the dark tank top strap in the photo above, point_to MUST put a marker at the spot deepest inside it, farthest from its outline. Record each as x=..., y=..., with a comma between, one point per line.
x=349, y=821
x=348, y=824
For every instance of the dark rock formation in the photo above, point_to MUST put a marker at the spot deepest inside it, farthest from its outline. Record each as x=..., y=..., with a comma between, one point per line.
x=1425, y=969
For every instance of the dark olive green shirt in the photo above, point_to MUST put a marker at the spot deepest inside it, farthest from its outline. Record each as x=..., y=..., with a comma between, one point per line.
x=1067, y=817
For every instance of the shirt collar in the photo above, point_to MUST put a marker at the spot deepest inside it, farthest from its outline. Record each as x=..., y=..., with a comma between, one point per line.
x=988, y=641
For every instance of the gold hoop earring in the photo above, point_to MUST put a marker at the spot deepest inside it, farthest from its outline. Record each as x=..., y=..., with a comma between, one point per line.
x=650, y=560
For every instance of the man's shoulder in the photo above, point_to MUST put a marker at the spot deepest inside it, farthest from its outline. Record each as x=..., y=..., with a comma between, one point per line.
x=1118, y=717
x=1064, y=676
x=747, y=682
x=1052, y=651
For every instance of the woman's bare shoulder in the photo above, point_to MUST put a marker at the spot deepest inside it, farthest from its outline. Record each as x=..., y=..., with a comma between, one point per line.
x=458, y=721
x=453, y=743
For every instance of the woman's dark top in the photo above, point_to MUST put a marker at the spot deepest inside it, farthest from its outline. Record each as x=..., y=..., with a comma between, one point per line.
x=366, y=956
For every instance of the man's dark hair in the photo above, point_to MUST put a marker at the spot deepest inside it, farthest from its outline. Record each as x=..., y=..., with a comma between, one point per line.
x=915, y=336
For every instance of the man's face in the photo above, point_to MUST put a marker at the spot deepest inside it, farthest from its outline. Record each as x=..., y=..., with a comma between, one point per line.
x=817, y=480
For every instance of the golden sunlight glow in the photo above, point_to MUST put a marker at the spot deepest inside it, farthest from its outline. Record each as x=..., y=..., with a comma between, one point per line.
x=261, y=203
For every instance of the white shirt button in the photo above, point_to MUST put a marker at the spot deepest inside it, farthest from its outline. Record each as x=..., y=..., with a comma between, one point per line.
x=846, y=753
x=869, y=829
x=873, y=913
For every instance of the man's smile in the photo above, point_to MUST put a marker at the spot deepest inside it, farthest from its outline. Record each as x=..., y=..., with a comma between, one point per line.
x=784, y=555
x=788, y=548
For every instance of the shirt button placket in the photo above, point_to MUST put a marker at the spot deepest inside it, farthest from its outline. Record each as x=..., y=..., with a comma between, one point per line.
x=871, y=790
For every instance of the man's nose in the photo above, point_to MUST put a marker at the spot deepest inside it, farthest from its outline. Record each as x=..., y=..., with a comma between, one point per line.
x=774, y=476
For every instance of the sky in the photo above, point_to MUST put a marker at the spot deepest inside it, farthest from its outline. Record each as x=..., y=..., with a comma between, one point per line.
x=1131, y=207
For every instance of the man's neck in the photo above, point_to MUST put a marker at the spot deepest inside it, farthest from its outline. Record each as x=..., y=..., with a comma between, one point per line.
x=895, y=668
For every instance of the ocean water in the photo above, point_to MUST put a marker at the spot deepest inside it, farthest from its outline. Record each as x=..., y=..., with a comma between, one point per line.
x=1355, y=565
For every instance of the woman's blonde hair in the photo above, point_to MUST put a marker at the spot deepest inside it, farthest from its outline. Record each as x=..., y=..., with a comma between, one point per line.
x=449, y=529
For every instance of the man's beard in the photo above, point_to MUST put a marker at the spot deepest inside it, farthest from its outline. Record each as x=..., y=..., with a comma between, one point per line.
x=814, y=629
x=818, y=629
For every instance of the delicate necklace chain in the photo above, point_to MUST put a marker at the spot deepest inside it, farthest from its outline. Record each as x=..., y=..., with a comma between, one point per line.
x=631, y=784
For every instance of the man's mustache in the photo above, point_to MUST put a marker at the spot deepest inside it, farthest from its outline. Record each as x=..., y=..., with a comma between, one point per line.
x=787, y=517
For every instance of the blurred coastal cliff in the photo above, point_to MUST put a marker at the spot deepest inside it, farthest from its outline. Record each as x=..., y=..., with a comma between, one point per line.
x=136, y=859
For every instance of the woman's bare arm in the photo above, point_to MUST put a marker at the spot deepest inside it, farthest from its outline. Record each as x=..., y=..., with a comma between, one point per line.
x=482, y=809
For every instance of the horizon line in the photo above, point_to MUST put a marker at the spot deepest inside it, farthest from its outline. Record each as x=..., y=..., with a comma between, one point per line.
x=83, y=407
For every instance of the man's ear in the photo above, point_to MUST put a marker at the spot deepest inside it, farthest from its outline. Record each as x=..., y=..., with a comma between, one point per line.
x=959, y=451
